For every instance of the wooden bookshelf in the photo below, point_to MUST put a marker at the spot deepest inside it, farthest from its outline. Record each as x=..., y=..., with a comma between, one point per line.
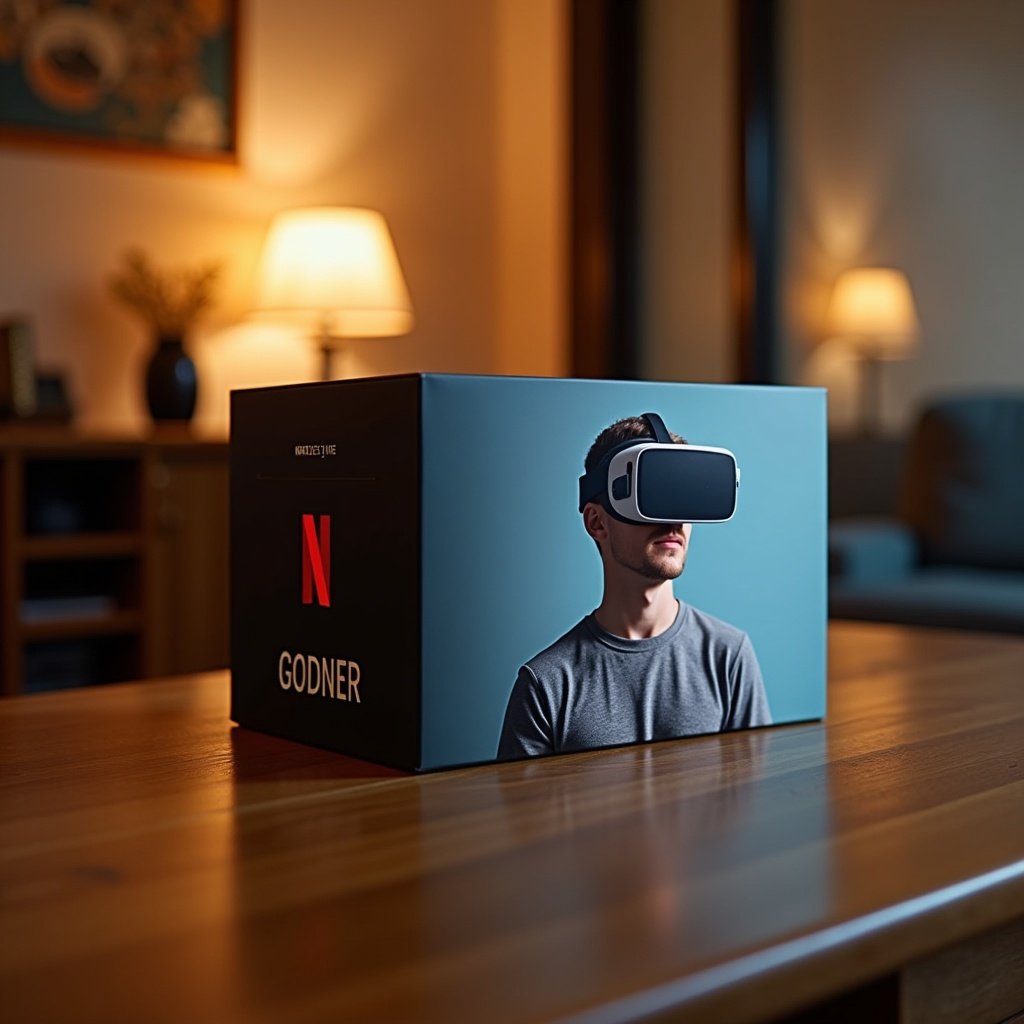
x=80, y=546
x=113, y=558
x=71, y=627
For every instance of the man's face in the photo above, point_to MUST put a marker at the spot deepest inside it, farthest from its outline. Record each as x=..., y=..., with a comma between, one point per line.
x=656, y=551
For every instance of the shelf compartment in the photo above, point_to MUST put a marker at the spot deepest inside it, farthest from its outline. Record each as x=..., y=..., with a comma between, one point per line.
x=77, y=597
x=59, y=664
x=63, y=497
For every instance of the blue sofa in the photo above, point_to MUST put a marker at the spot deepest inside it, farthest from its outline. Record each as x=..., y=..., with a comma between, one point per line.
x=953, y=555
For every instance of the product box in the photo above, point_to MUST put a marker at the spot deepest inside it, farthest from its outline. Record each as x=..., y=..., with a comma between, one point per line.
x=413, y=581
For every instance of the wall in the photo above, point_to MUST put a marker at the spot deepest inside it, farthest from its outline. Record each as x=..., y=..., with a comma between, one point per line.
x=408, y=107
x=900, y=144
x=532, y=158
x=903, y=146
x=687, y=174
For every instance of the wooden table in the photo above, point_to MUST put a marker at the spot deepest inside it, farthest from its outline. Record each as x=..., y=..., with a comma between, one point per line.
x=158, y=864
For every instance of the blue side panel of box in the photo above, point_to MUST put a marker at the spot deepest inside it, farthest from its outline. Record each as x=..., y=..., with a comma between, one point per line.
x=507, y=567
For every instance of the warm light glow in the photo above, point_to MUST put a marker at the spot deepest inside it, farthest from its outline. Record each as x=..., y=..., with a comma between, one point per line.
x=873, y=307
x=340, y=264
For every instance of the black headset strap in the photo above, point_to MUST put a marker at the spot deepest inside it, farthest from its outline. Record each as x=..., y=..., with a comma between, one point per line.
x=595, y=483
x=657, y=427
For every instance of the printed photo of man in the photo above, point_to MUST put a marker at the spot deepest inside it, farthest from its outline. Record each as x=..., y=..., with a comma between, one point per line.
x=643, y=665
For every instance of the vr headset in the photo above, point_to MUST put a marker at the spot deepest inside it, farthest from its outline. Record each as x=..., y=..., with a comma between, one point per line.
x=659, y=481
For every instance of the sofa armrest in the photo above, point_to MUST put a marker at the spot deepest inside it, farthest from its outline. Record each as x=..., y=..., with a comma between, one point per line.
x=864, y=550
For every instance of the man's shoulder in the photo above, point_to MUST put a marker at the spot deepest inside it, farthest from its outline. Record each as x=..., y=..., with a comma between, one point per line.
x=716, y=631
x=565, y=650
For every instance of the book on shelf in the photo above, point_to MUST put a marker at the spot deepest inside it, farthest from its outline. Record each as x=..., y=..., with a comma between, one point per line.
x=56, y=609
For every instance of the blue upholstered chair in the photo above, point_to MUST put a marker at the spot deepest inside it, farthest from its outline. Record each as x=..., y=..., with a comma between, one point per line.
x=954, y=554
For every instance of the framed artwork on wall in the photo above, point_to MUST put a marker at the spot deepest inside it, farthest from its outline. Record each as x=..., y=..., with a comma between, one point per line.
x=153, y=76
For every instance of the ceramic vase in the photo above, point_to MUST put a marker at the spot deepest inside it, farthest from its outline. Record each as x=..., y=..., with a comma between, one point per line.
x=171, y=381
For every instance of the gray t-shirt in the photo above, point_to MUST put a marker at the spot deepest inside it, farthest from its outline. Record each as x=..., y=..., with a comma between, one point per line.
x=591, y=688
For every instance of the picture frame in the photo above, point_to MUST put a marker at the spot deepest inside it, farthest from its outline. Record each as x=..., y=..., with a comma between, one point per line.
x=156, y=77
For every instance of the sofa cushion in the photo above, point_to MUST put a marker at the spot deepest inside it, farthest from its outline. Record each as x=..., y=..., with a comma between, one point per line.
x=964, y=486
x=870, y=549
x=953, y=597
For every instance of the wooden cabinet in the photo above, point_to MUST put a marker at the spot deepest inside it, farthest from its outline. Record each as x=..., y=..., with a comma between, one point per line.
x=187, y=568
x=113, y=559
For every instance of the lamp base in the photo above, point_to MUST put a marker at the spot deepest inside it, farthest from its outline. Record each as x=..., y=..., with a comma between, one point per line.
x=871, y=396
x=328, y=344
x=326, y=359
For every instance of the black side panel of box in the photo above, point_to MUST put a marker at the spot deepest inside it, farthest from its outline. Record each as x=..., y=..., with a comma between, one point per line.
x=306, y=622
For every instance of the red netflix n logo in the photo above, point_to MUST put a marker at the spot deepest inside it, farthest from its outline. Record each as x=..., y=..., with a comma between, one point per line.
x=316, y=561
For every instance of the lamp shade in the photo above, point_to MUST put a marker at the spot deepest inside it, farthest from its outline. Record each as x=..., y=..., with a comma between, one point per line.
x=873, y=307
x=339, y=264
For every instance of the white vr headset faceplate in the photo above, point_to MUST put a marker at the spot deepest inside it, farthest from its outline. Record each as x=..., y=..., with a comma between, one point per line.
x=626, y=464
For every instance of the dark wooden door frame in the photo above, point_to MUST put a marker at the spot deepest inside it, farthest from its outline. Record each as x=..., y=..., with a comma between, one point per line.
x=756, y=239
x=605, y=243
x=604, y=158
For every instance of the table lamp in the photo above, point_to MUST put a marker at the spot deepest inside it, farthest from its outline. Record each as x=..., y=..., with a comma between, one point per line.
x=873, y=309
x=338, y=266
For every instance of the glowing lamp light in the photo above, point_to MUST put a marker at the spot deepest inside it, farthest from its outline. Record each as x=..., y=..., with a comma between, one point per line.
x=338, y=267
x=872, y=308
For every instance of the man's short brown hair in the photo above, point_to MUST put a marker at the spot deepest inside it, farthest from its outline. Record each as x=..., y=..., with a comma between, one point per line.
x=627, y=429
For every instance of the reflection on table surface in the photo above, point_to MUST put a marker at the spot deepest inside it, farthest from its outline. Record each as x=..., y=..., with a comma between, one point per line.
x=151, y=855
